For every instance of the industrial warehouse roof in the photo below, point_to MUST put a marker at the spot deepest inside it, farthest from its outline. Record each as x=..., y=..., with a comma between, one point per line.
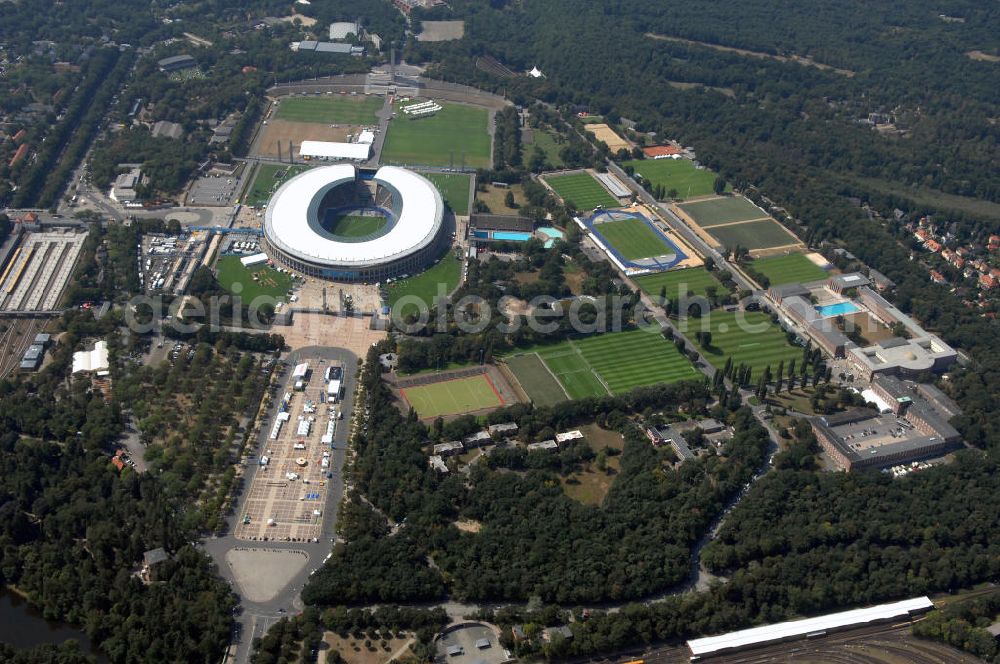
x=292, y=219
x=800, y=628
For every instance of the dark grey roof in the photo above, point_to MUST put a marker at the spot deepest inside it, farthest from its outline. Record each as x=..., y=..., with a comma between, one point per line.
x=176, y=61
x=331, y=47
x=894, y=342
x=788, y=290
x=155, y=556
x=850, y=280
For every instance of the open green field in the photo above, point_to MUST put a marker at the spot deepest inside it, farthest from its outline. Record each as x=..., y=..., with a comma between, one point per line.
x=633, y=238
x=268, y=178
x=330, y=109
x=356, y=226
x=230, y=271
x=678, y=282
x=454, y=188
x=615, y=362
x=788, y=269
x=446, y=271
x=540, y=385
x=440, y=139
x=763, y=234
x=723, y=210
x=582, y=190
x=451, y=397
x=757, y=342
x=548, y=143
x=679, y=174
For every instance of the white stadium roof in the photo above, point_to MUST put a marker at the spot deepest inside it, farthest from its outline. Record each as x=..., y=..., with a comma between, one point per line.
x=291, y=222
x=800, y=628
x=331, y=150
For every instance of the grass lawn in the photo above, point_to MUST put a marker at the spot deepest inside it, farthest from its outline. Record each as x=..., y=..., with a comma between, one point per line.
x=633, y=238
x=356, y=226
x=679, y=174
x=592, y=484
x=454, y=188
x=759, y=346
x=762, y=234
x=270, y=282
x=495, y=198
x=440, y=139
x=788, y=269
x=615, y=362
x=446, y=271
x=723, y=210
x=548, y=142
x=540, y=385
x=450, y=397
x=267, y=180
x=330, y=109
x=678, y=282
x=582, y=190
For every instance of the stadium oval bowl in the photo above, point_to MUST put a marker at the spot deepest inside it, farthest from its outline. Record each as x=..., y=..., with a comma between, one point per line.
x=294, y=236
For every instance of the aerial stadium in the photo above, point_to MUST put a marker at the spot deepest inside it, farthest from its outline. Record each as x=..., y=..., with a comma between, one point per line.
x=338, y=223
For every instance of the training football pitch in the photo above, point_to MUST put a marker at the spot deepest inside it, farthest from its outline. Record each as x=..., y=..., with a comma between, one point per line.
x=724, y=210
x=538, y=383
x=454, y=188
x=582, y=190
x=633, y=238
x=678, y=282
x=763, y=234
x=756, y=341
x=440, y=139
x=330, y=109
x=353, y=226
x=450, y=397
x=788, y=269
x=230, y=271
x=677, y=174
x=266, y=182
x=616, y=362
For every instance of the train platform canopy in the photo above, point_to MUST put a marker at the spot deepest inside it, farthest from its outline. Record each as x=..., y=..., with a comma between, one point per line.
x=758, y=636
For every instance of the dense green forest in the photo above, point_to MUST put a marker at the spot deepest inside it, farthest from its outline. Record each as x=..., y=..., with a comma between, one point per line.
x=73, y=530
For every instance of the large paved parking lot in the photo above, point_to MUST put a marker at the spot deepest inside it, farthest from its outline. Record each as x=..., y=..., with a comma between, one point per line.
x=288, y=495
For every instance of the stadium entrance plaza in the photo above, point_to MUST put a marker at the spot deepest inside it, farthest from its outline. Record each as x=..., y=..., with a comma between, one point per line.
x=288, y=496
x=353, y=333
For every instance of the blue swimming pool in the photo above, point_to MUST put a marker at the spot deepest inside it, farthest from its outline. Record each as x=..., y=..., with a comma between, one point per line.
x=511, y=236
x=839, y=309
x=553, y=233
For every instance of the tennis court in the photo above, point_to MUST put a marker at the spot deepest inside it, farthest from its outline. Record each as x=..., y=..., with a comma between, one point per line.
x=451, y=397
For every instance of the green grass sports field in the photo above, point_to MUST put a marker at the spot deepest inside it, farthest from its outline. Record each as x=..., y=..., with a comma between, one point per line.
x=352, y=226
x=446, y=271
x=230, y=271
x=633, y=238
x=788, y=269
x=267, y=180
x=757, y=343
x=454, y=188
x=615, y=362
x=540, y=385
x=440, y=139
x=678, y=174
x=582, y=190
x=330, y=109
x=763, y=234
x=678, y=282
x=723, y=210
x=450, y=397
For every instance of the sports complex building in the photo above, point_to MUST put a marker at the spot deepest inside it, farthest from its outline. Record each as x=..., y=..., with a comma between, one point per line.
x=301, y=217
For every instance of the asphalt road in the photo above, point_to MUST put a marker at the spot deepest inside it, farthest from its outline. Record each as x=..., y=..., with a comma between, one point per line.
x=255, y=618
